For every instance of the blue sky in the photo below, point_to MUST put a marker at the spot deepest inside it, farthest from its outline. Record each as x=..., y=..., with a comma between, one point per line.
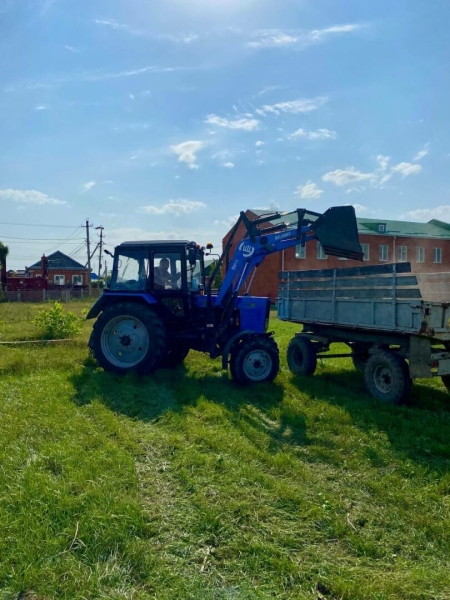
x=165, y=118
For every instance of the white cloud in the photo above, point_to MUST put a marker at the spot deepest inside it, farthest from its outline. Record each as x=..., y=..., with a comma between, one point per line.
x=296, y=107
x=182, y=38
x=259, y=143
x=177, y=208
x=377, y=178
x=320, y=134
x=117, y=26
x=309, y=190
x=442, y=213
x=275, y=38
x=359, y=208
x=406, y=168
x=228, y=165
x=88, y=186
x=187, y=152
x=342, y=177
x=243, y=124
x=29, y=197
x=273, y=207
x=355, y=190
x=72, y=49
x=383, y=161
x=41, y=107
x=228, y=222
x=319, y=34
x=422, y=153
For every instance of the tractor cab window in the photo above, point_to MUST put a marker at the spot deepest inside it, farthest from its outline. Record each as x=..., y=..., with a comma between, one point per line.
x=130, y=271
x=167, y=271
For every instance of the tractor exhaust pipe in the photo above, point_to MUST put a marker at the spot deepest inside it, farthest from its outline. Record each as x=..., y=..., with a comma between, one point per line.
x=337, y=231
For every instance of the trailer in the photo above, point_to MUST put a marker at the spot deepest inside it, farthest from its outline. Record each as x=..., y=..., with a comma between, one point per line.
x=394, y=335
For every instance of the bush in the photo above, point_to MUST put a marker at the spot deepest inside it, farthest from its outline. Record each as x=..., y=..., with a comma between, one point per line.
x=55, y=324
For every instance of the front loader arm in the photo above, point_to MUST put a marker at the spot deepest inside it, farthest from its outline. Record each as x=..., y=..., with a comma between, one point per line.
x=336, y=230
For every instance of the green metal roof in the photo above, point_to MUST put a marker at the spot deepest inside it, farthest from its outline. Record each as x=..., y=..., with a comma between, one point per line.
x=432, y=229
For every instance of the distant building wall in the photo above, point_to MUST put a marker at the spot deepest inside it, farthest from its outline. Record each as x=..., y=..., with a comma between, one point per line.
x=67, y=273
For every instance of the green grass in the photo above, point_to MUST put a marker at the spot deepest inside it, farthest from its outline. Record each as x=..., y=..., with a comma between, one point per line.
x=184, y=485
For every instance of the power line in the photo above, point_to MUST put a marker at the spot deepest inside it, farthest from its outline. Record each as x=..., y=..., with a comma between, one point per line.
x=5, y=237
x=29, y=242
x=68, y=238
x=36, y=225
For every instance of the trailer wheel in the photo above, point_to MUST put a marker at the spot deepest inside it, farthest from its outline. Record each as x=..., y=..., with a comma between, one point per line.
x=127, y=338
x=387, y=377
x=255, y=360
x=174, y=357
x=301, y=356
x=360, y=356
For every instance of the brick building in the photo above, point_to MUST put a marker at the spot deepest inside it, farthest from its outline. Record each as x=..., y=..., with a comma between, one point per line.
x=62, y=271
x=425, y=245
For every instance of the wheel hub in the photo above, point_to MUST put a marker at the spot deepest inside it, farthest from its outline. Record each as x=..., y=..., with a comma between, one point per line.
x=125, y=341
x=383, y=379
x=257, y=365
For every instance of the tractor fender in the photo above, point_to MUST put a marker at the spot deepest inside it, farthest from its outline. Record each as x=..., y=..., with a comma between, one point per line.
x=237, y=338
x=108, y=299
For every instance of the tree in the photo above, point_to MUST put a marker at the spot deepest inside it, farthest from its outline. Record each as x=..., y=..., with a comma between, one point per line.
x=4, y=251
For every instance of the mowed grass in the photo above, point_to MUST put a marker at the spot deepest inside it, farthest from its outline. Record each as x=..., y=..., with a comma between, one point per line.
x=184, y=485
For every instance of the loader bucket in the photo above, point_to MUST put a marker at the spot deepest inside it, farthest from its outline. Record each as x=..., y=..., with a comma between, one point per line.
x=337, y=231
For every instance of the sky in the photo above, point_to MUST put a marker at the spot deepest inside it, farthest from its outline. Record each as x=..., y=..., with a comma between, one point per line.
x=164, y=119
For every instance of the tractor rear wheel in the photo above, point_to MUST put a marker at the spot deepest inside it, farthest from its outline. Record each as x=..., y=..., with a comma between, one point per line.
x=255, y=360
x=129, y=338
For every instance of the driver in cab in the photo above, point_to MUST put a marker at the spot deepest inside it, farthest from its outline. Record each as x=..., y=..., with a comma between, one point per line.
x=163, y=277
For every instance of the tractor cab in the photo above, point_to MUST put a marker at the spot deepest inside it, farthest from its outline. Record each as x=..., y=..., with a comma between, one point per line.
x=161, y=268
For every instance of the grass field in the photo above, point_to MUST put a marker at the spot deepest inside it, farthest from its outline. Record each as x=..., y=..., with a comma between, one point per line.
x=184, y=485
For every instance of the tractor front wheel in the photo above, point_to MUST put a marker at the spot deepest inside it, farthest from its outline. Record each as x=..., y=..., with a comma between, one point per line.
x=127, y=338
x=255, y=360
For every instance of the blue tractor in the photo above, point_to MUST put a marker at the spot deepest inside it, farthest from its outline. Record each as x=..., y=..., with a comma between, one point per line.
x=159, y=305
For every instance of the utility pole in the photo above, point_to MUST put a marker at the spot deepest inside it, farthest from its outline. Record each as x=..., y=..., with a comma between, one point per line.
x=100, y=251
x=88, y=258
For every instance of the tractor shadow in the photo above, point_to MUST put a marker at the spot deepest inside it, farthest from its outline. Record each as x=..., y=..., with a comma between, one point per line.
x=147, y=399
x=418, y=429
x=248, y=409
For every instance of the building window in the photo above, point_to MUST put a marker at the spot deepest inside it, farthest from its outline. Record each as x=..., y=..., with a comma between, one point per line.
x=300, y=251
x=77, y=279
x=60, y=280
x=437, y=255
x=402, y=254
x=381, y=227
x=384, y=253
x=366, y=250
x=420, y=254
x=320, y=252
